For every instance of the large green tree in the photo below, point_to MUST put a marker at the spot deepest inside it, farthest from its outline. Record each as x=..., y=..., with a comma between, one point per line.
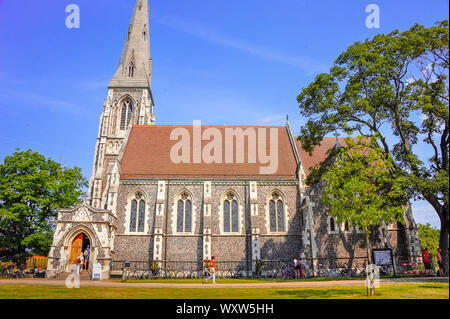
x=393, y=87
x=429, y=238
x=32, y=189
x=362, y=189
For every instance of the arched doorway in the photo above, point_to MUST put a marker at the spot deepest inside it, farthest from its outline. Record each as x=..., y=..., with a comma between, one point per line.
x=79, y=245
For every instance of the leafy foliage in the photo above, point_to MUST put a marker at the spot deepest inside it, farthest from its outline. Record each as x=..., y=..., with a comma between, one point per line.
x=361, y=187
x=32, y=189
x=429, y=238
x=389, y=82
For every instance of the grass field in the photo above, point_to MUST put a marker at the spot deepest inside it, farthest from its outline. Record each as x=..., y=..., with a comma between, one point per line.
x=386, y=291
x=249, y=281
x=236, y=281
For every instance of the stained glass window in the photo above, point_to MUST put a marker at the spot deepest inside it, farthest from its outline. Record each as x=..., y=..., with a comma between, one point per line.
x=133, y=216
x=141, y=219
x=273, y=221
x=276, y=213
x=127, y=114
x=130, y=114
x=230, y=214
x=184, y=213
x=226, y=216
x=123, y=117
x=137, y=213
x=180, y=216
x=234, y=216
x=188, y=217
x=280, y=216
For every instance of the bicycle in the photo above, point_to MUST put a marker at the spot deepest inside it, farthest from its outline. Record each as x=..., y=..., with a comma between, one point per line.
x=8, y=272
x=3, y=272
x=322, y=272
x=19, y=274
x=288, y=273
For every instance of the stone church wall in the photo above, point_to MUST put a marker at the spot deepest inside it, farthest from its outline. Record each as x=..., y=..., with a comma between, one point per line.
x=225, y=247
x=343, y=247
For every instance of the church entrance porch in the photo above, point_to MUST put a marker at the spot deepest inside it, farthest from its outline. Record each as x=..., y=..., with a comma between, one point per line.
x=77, y=229
x=79, y=245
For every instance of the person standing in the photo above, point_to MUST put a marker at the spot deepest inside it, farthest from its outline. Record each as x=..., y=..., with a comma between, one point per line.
x=212, y=270
x=78, y=263
x=302, y=269
x=426, y=262
x=296, y=268
x=86, y=258
x=81, y=262
x=439, y=260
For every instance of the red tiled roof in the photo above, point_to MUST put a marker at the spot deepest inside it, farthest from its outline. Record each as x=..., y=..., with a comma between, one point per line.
x=147, y=155
x=319, y=153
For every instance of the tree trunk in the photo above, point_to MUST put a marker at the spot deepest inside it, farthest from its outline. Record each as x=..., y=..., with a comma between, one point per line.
x=443, y=213
x=444, y=241
x=370, y=292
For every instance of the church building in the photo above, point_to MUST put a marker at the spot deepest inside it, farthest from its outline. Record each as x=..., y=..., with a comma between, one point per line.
x=182, y=194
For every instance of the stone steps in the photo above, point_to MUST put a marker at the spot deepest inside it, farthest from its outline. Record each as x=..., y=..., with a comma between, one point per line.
x=83, y=275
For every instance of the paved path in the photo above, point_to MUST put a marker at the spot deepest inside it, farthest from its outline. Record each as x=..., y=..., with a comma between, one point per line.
x=290, y=284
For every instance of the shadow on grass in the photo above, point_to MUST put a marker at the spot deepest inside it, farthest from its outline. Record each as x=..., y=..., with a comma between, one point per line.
x=434, y=287
x=320, y=293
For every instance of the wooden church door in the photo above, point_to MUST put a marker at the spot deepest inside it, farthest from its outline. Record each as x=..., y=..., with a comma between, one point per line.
x=77, y=246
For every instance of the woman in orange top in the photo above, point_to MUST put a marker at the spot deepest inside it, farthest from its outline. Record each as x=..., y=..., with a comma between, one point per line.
x=212, y=270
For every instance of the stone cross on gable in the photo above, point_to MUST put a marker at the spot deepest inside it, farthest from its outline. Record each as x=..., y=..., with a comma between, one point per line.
x=336, y=134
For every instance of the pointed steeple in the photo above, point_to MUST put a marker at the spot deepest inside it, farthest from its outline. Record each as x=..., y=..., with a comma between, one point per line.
x=135, y=65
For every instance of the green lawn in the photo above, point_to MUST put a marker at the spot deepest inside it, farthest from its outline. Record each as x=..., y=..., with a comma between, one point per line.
x=249, y=281
x=386, y=291
x=234, y=281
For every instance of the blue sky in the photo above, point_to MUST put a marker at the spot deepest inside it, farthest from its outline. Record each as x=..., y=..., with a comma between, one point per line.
x=229, y=62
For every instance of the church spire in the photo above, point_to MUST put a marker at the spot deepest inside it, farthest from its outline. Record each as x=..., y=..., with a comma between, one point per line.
x=135, y=65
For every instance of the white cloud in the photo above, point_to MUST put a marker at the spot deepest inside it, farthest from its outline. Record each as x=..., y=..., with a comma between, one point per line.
x=31, y=99
x=273, y=119
x=307, y=64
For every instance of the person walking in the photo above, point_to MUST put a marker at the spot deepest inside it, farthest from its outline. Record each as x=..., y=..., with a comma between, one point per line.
x=212, y=270
x=426, y=262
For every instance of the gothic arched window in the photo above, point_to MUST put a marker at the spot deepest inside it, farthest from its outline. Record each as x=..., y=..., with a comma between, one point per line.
x=230, y=214
x=276, y=211
x=131, y=70
x=332, y=224
x=137, y=214
x=346, y=227
x=184, y=213
x=127, y=114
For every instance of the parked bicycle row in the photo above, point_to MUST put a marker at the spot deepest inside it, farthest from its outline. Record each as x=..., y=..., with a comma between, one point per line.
x=238, y=270
x=12, y=271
